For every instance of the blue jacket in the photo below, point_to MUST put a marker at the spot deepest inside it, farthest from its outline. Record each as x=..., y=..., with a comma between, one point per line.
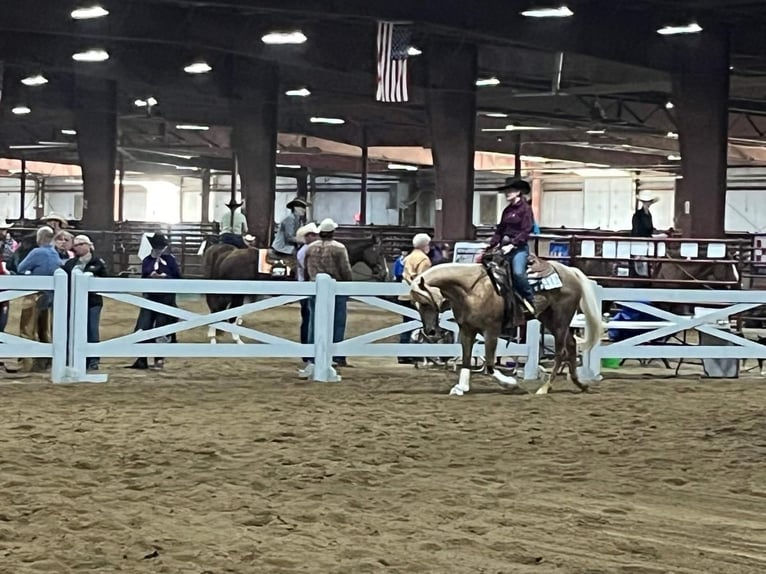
x=41, y=261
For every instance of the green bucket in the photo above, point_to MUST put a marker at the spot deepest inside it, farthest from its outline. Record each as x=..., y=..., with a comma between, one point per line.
x=610, y=363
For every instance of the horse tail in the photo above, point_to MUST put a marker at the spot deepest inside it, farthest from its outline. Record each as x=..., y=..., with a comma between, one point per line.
x=590, y=308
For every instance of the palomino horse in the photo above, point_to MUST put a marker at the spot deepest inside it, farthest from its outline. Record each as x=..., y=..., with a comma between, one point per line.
x=223, y=261
x=478, y=308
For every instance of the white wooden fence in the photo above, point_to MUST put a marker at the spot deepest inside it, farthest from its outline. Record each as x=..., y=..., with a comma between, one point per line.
x=70, y=348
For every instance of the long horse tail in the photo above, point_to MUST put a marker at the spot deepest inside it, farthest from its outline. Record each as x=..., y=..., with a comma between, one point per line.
x=590, y=308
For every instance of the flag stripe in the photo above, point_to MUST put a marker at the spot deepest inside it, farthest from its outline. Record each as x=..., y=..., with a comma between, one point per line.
x=392, y=71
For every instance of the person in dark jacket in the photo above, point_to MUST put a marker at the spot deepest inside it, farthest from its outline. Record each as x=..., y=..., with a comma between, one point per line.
x=642, y=224
x=512, y=234
x=86, y=261
x=159, y=264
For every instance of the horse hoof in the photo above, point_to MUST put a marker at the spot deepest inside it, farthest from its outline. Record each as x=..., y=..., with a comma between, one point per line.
x=239, y=341
x=213, y=341
x=543, y=390
x=456, y=392
x=240, y=321
x=505, y=382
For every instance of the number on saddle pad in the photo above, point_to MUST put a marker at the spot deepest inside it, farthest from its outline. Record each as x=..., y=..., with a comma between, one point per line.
x=548, y=283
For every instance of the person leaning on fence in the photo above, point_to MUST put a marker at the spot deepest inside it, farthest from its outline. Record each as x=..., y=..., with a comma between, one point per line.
x=331, y=257
x=414, y=264
x=35, y=320
x=307, y=234
x=159, y=264
x=86, y=261
x=285, y=244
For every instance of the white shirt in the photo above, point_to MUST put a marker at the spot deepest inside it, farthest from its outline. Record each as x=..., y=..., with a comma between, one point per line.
x=233, y=223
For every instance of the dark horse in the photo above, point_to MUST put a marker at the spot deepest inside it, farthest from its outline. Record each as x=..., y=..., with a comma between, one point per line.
x=224, y=261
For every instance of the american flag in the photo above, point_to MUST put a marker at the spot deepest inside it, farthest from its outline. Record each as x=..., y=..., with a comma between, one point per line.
x=393, y=43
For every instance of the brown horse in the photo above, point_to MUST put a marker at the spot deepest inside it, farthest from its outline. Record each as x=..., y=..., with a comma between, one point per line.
x=223, y=261
x=478, y=308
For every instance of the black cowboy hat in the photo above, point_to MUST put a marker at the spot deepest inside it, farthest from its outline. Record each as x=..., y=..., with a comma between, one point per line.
x=297, y=202
x=158, y=241
x=233, y=204
x=517, y=184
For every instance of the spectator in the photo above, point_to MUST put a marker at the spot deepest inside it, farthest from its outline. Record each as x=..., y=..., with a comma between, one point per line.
x=233, y=224
x=308, y=234
x=8, y=243
x=331, y=257
x=159, y=264
x=414, y=264
x=398, y=271
x=62, y=241
x=642, y=224
x=86, y=261
x=56, y=222
x=36, y=311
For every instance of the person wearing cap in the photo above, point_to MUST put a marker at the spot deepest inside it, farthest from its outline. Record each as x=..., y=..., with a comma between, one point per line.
x=285, y=244
x=56, y=222
x=233, y=225
x=512, y=233
x=331, y=257
x=86, y=261
x=642, y=224
x=307, y=234
x=415, y=263
x=159, y=264
x=8, y=243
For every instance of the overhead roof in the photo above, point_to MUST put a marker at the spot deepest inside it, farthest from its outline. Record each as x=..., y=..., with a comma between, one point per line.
x=603, y=69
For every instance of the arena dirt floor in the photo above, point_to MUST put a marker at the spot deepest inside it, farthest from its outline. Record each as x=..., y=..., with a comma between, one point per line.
x=238, y=466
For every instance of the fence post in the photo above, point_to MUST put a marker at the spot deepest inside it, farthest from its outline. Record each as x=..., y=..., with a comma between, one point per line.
x=324, y=313
x=59, y=326
x=533, y=350
x=79, y=325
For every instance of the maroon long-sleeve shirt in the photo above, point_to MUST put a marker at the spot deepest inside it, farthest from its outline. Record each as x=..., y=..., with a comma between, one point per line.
x=516, y=223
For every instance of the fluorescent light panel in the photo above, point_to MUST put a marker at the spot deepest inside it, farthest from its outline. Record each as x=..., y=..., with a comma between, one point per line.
x=21, y=110
x=69, y=132
x=36, y=80
x=294, y=37
x=402, y=167
x=198, y=68
x=560, y=12
x=302, y=92
x=692, y=28
x=194, y=127
x=331, y=121
x=91, y=56
x=89, y=12
x=493, y=81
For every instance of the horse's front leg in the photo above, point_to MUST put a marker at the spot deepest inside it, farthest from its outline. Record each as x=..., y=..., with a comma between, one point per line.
x=467, y=338
x=490, y=350
x=236, y=301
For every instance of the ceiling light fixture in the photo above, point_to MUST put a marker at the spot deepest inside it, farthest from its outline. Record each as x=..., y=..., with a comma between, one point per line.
x=295, y=37
x=36, y=80
x=91, y=56
x=402, y=167
x=493, y=81
x=560, y=12
x=674, y=157
x=413, y=51
x=200, y=67
x=194, y=127
x=669, y=106
x=150, y=102
x=21, y=110
x=302, y=92
x=513, y=128
x=288, y=166
x=331, y=121
x=89, y=13
x=672, y=135
x=692, y=28
x=494, y=114
x=69, y=132
x=595, y=132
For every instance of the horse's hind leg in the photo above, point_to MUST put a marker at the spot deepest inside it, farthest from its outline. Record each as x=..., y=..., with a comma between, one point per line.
x=215, y=303
x=560, y=338
x=572, y=362
x=490, y=348
x=236, y=301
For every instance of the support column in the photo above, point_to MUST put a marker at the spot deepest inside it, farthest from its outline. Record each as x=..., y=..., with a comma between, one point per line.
x=452, y=116
x=254, y=109
x=302, y=184
x=205, y=216
x=701, y=96
x=96, y=124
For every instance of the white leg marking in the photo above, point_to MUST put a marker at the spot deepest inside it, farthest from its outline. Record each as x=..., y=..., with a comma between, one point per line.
x=211, y=335
x=463, y=384
x=504, y=381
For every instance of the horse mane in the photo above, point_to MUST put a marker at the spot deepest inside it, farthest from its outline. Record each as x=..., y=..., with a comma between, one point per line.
x=428, y=285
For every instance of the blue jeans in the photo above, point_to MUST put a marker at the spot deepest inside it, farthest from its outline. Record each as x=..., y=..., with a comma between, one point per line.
x=94, y=319
x=518, y=259
x=338, y=324
x=305, y=325
x=232, y=239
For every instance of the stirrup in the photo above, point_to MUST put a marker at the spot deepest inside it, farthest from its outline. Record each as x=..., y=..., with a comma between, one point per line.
x=529, y=307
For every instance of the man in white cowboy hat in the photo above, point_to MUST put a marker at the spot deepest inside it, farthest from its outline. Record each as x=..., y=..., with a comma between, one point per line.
x=329, y=256
x=56, y=222
x=307, y=234
x=233, y=224
x=642, y=224
x=285, y=244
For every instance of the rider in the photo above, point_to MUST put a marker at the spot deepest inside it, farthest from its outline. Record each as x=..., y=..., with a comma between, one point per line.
x=512, y=233
x=285, y=244
x=233, y=224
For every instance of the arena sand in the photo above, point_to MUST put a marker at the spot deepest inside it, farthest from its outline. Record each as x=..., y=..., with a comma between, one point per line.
x=237, y=466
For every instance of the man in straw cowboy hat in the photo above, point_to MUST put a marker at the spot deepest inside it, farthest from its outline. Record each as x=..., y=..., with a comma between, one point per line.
x=233, y=224
x=285, y=245
x=642, y=224
x=56, y=222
